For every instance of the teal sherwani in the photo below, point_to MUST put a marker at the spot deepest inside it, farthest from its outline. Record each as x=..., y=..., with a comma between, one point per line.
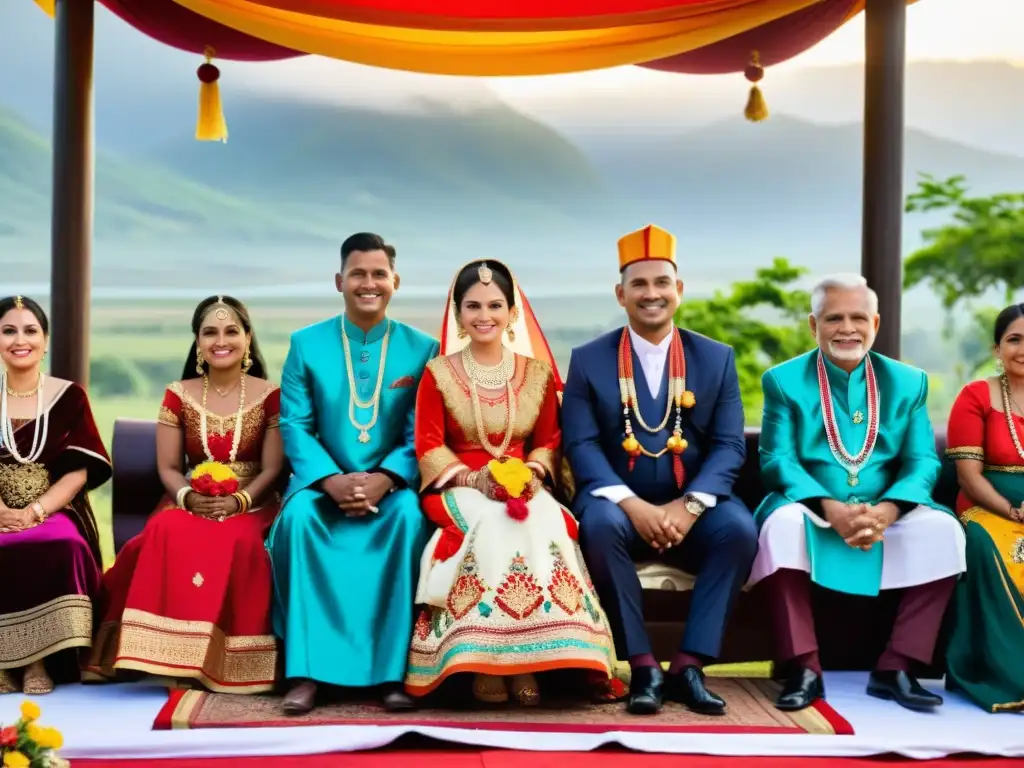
x=344, y=587
x=797, y=465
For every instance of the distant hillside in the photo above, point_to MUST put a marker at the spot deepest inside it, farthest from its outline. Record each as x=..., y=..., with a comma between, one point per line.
x=483, y=166
x=134, y=201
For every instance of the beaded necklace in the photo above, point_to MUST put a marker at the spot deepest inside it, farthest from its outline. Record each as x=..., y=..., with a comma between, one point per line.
x=679, y=397
x=852, y=464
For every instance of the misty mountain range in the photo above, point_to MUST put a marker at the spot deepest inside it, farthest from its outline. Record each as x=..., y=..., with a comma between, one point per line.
x=548, y=184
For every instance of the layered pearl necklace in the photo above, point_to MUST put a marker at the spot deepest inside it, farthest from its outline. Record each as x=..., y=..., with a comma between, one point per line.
x=852, y=464
x=492, y=377
x=40, y=429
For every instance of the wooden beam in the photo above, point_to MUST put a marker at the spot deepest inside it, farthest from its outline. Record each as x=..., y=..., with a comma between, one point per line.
x=72, y=211
x=881, y=240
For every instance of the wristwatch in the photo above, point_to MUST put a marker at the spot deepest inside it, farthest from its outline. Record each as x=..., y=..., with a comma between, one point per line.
x=694, y=505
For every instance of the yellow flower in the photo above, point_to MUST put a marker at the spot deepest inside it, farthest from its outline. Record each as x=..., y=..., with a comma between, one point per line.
x=30, y=711
x=218, y=472
x=511, y=474
x=16, y=760
x=47, y=738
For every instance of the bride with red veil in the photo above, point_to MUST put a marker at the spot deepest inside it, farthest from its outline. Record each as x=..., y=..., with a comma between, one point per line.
x=503, y=590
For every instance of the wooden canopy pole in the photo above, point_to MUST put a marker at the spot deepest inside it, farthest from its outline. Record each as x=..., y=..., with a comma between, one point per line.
x=72, y=211
x=881, y=240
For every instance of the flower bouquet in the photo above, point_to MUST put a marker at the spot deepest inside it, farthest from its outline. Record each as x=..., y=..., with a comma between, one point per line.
x=211, y=478
x=513, y=483
x=26, y=744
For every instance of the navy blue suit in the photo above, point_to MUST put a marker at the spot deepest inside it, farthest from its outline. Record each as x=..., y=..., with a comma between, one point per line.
x=720, y=547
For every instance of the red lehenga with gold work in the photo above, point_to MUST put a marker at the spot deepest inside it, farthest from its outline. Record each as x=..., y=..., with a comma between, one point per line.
x=500, y=595
x=49, y=573
x=190, y=597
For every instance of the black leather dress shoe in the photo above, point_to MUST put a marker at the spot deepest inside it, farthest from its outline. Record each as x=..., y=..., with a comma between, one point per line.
x=395, y=699
x=645, y=696
x=803, y=687
x=902, y=688
x=687, y=687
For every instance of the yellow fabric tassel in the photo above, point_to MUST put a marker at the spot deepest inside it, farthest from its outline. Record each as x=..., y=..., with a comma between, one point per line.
x=210, y=123
x=756, y=109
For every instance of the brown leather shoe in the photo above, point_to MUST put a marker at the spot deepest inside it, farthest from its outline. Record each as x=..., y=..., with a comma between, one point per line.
x=395, y=699
x=300, y=699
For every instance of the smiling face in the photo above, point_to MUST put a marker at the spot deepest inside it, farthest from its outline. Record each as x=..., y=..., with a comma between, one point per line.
x=22, y=341
x=846, y=327
x=222, y=339
x=1011, y=350
x=367, y=282
x=650, y=292
x=484, y=312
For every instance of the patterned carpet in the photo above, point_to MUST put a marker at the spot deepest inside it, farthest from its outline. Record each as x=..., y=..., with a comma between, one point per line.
x=750, y=710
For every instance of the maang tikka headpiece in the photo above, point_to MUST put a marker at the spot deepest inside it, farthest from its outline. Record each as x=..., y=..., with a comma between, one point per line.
x=18, y=303
x=221, y=312
x=485, y=274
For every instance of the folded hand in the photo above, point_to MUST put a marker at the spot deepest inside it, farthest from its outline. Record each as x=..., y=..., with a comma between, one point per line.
x=652, y=523
x=212, y=507
x=14, y=520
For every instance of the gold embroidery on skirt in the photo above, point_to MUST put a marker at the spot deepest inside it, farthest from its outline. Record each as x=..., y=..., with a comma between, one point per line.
x=27, y=636
x=158, y=645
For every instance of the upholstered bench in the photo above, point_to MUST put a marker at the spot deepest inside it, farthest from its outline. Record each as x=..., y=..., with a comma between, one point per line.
x=851, y=630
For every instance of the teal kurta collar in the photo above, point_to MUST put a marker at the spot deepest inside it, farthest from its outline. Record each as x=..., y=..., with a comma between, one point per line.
x=355, y=333
x=840, y=379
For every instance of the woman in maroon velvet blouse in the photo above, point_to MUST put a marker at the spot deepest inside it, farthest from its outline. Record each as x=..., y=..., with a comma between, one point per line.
x=51, y=454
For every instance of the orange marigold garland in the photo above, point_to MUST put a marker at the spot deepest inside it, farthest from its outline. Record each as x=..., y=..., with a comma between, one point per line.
x=679, y=397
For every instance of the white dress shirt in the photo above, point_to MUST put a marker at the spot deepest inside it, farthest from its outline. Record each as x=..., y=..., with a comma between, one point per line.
x=653, y=358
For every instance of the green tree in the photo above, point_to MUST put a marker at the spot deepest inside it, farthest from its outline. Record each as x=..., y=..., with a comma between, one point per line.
x=980, y=249
x=764, y=320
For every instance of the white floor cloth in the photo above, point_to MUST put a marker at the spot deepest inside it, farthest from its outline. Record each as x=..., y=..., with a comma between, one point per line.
x=115, y=721
x=924, y=545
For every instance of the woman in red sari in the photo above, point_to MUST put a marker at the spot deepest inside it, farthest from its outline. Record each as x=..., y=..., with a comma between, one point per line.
x=505, y=589
x=51, y=454
x=190, y=596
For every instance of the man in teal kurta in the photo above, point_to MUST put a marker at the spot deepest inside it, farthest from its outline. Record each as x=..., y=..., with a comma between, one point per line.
x=345, y=549
x=848, y=459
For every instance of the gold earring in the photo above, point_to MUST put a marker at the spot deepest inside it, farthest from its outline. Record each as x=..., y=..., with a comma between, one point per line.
x=199, y=363
x=999, y=366
x=513, y=317
x=246, y=361
x=461, y=332
x=510, y=332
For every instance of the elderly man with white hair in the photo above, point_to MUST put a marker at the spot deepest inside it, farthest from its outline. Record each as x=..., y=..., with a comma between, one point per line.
x=849, y=462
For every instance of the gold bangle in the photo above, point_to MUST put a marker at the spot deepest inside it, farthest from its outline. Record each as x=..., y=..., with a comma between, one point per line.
x=40, y=511
x=179, y=499
x=243, y=501
x=248, y=499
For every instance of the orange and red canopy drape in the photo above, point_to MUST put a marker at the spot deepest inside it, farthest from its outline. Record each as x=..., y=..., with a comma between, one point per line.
x=497, y=37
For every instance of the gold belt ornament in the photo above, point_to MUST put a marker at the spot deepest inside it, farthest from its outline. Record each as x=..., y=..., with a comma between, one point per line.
x=21, y=484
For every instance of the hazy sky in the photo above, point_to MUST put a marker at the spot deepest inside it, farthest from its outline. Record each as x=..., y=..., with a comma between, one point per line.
x=937, y=29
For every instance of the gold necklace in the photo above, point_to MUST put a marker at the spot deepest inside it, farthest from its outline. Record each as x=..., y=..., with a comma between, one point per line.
x=1008, y=412
x=481, y=430
x=30, y=393
x=493, y=376
x=236, y=437
x=224, y=392
x=354, y=401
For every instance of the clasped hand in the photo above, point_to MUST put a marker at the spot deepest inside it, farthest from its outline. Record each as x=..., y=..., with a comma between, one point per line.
x=15, y=520
x=662, y=527
x=357, y=493
x=860, y=525
x=217, y=508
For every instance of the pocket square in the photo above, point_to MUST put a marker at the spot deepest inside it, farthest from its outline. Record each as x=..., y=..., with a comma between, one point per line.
x=403, y=382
